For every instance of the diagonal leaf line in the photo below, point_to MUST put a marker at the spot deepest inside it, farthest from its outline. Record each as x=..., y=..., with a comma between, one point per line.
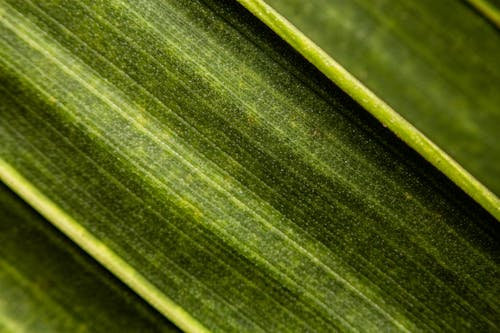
x=161, y=217
x=488, y=11
x=97, y=203
x=294, y=243
x=383, y=112
x=115, y=181
x=338, y=277
x=274, y=269
x=134, y=195
x=222, y=86
x=225, y=184
x=148, y=246
x=97, y=249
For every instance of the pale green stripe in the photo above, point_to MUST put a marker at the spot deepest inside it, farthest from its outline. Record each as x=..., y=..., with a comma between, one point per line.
x=488, y=10
x=98, y=249
x=373, y=104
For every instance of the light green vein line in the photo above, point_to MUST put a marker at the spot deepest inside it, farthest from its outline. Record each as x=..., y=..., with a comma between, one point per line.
x=489, y=11
x=373, y=104
x=237, y=242
x=110, y=177
x=317, y=162
x=216, y=185
x=224, y=86
x=98, y=204
x=95, y=93
x=98, y=249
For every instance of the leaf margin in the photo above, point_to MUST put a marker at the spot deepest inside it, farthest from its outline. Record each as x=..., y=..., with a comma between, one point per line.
x=383, y=112
x=98, y=250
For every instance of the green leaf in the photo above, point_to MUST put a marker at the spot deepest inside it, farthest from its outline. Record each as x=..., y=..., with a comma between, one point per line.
x=490, y=9
x=435, y=62
x=47, y=284
x=229, y=183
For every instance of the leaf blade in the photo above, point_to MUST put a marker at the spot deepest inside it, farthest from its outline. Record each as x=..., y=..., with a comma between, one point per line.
x=381, y=110
x=403, y=55
x=255, y=216
x=49, y=285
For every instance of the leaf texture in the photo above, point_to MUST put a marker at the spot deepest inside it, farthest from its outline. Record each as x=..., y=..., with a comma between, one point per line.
x=489, y=9
x=435, y=62
x=229, y=183
x=47, y=284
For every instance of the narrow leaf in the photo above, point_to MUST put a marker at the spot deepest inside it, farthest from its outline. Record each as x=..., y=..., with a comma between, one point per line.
x=435, y=62
x=229, y=183
x=47, y=284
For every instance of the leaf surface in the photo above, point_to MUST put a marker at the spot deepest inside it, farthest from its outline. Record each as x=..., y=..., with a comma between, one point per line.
x=228, y=182
x=47, y=284
x=435, y=62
